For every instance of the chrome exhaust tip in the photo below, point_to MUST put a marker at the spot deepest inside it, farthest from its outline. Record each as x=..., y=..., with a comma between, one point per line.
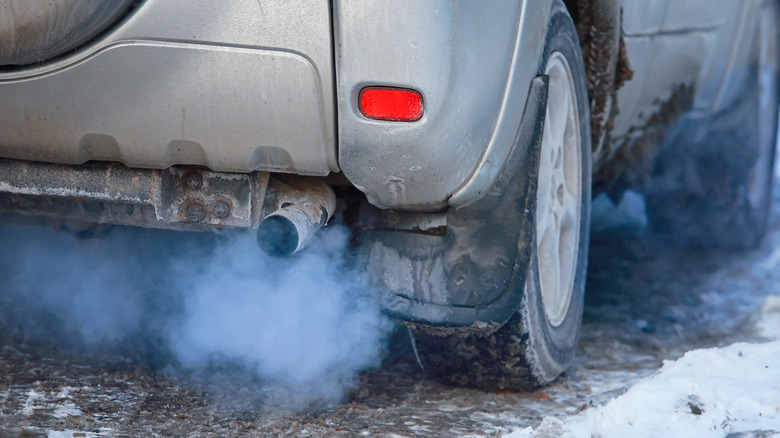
x=301, y=207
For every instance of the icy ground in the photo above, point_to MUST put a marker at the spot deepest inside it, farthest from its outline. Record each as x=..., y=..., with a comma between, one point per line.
x=674, y=343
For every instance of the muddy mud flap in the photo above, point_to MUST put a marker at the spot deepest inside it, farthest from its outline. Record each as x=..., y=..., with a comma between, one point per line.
x=471, y=275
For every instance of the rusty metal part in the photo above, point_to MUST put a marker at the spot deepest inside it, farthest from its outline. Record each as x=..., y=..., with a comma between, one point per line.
x=287, y=210
x=177, y=197
x=194, y=180
x=298, y=207
x=195, y=213
x=221, y=209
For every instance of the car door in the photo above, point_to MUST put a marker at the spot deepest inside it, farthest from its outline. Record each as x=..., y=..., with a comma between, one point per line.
x=676, y=50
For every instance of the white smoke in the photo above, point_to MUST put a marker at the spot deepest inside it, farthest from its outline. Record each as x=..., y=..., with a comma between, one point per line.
x=306, y=321
x=310, y=323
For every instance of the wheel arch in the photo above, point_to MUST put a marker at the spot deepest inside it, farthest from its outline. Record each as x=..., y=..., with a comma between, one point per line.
x=599, y=25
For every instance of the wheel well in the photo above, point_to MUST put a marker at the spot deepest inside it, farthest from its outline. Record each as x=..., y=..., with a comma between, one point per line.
x=599, y=27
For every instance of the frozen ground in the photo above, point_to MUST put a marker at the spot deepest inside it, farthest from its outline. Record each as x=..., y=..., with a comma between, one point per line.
x=710, y=317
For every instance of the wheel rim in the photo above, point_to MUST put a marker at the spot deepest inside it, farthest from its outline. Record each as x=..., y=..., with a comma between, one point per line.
x=559, y=193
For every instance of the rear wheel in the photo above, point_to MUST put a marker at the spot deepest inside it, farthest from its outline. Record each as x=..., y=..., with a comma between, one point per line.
x=715, y=190
x=538, y=342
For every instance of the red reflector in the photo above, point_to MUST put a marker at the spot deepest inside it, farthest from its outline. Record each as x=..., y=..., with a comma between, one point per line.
x=395, y=104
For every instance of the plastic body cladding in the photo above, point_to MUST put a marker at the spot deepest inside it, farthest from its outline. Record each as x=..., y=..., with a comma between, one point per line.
x=467, y=62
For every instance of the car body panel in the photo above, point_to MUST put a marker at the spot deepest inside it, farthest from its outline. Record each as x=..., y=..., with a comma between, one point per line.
x=234, y=86
x=534, y=17
x=642, y=17
x=737, y=65
x=460, y=56
x=224, y=128
x=677, y=51
x=684, y=16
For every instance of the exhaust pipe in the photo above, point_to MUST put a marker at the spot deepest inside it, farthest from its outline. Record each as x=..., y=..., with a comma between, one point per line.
x=299, y=207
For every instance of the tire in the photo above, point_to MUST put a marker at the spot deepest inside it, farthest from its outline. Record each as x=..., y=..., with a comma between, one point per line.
x=539, y=341
x=714, y=191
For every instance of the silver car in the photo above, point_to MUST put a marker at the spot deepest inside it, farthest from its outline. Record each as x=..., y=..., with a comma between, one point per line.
x=465, y=139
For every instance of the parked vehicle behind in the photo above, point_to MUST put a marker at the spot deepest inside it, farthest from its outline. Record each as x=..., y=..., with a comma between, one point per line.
x=465, y=138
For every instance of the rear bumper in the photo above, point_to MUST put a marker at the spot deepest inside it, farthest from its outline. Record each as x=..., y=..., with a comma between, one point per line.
x=225, y=85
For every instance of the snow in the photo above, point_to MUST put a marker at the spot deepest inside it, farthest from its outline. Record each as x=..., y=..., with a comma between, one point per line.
x=33, y=398
x=711, y=392
x=63, y=404
x=67, y=407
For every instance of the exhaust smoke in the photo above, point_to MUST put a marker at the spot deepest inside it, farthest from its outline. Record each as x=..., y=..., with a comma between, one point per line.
x=309, y=323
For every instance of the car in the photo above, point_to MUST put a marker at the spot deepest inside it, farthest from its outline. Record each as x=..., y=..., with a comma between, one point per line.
x=465, y=140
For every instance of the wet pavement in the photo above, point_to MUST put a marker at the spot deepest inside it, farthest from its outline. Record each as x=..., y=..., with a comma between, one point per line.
x=646, y=302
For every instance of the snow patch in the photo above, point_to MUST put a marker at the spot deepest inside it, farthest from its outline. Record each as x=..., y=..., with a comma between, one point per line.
x=550, y=428
x=33, y=398
x=706, y=393
x=65, y=410
x=72, y=434
x=62, y=403
x=66, y=407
